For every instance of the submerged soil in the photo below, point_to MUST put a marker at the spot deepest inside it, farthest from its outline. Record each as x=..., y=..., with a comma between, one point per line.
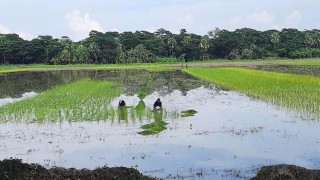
x=14, y=169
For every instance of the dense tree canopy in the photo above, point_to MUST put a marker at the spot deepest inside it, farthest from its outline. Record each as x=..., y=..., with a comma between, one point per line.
x=143, y=46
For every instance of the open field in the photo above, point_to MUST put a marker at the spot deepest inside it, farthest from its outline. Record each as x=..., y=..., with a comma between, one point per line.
x=164, y=66
x=288, y=90
x=43, y=67
x=204, y=131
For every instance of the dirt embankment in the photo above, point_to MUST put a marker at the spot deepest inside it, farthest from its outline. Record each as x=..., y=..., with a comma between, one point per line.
x=286, y=172
x=14, y=169
x=252, y=64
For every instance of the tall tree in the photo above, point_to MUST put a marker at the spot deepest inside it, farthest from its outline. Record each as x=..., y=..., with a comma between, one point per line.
x=204, y=45
x=94, y=51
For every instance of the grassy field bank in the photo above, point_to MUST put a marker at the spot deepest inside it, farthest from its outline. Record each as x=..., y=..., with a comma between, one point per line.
x=162, y=66
x=288, y=90
x=43, y=67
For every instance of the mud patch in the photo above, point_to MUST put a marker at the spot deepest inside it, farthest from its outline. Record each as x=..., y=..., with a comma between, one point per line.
x=286, y=172
x=15, y=169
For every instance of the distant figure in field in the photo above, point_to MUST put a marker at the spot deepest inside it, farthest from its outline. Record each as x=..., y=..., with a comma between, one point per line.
x=122, y=103
x=158, y=103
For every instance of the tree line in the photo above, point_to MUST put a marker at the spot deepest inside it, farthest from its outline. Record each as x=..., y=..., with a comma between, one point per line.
x=160, y=46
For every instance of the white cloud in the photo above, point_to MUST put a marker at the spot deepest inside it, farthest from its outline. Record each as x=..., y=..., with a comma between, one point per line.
x=81, y=24
x=23, y=35
x=186, y=20
x=235, y=20
x=293, y=19
x=261, y=18
x=116, y=30
x=4, y=30
x=26, y=36
x=257, y=20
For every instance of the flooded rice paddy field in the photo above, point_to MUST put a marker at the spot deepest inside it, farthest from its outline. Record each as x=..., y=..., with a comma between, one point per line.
x=229, y=137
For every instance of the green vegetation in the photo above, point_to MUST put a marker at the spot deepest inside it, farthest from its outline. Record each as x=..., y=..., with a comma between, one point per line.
x=153, y=66
x=142, y=93
x=161, y=46
x=156, y=127
x=84, y=100
x=292, y=91
x=153, y=128
x=190, y=112
x=307, y=62
x=16, y=68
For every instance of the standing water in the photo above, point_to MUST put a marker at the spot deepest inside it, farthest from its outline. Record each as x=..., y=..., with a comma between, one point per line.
x=229, y=137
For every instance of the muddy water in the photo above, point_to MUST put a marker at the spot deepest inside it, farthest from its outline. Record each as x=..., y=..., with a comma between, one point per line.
x=229, y=137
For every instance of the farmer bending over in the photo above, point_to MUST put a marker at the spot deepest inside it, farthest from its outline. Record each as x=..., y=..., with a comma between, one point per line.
x=158, y=103
x=122, y=103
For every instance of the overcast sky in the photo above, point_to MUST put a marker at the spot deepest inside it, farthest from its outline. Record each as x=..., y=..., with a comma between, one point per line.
x=76, y=18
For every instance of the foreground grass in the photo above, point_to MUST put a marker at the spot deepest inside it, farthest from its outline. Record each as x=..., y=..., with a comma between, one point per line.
x=79, y=101
x=288, y=90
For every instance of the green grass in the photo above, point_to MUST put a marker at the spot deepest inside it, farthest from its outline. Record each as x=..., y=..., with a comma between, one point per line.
x=308, y=62
x=160, y=66
x=16, y=68
x=85, y=100
x=296, y=92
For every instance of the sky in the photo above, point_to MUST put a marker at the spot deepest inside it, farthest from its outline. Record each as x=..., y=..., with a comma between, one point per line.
x=76, y=18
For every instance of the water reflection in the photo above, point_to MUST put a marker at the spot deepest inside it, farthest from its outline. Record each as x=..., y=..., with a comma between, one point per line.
x=15, y=84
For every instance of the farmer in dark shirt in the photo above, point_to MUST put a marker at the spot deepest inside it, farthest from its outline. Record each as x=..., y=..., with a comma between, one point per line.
x=122, y=103
x=158, y=103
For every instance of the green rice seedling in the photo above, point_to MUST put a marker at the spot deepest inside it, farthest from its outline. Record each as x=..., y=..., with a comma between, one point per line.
x=156, y=127
x=140, y=109
x=133, y=114
x=79, y=98
x=122, y=113
x=149, y=113
x=142, y=93
x=153, y=128
x=187, y=113
x=297, y=92
x=112, y=115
